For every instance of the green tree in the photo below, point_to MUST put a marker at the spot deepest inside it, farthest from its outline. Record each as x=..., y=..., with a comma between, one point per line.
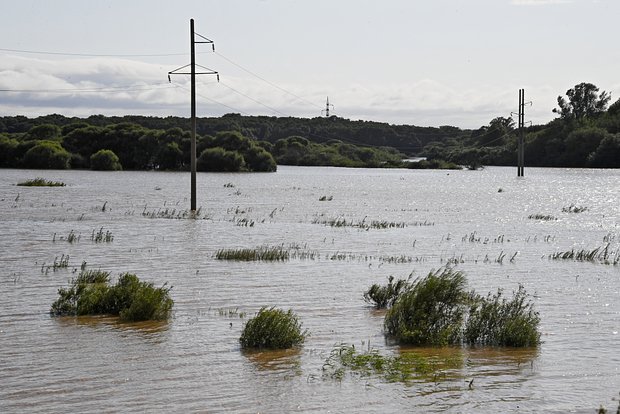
x=258, y=159
x=47, y=155
x=584, y=101
x=607, y=154
x=105, y=160
x=220, y=160
x=44, y=132
x=169, y=157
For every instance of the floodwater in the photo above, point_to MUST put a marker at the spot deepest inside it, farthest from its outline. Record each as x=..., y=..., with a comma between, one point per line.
x=475, y=220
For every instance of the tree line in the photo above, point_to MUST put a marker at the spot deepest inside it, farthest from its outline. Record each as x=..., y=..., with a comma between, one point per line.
x=586, y=133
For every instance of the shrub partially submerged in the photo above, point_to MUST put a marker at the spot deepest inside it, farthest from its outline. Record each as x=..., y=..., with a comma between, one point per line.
x=130, y=299
x=498, y=321
x=385, y=296
x=437, y=310
x=431, y=312
x=40, y=182
x=274, y=329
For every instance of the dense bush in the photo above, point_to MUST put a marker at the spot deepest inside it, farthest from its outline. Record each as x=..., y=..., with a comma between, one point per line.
x=498, y=321
x=431, y=312
x=274, y=329
x=436, y=310
x=219, y=159
x=47, y=155
x=105, y=160
x=130, y=299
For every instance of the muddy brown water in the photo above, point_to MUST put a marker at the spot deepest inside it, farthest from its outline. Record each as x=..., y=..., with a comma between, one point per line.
x=476, y=220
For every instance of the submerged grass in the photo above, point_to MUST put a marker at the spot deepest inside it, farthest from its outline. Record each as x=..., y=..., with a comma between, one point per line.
x=601, y=254
x=543, y=217
x=405, y=367
x=272, y=328
x=40, y=182
x=264, y=253
x=131, y=299
x=363, y=224
x=101, y=237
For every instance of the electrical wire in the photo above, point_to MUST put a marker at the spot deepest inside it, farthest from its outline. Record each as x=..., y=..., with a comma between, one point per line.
x=253, y=100
x=108, y=89
x=266, y=81
x=40, y=52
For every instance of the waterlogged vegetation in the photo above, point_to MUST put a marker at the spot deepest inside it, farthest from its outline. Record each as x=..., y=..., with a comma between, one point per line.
x=131, y=299
x=362, y=224
x=601, y=254
x=41, y=182
x=437, y=310
x=98, y=236
x=273, y=328
x=404, y=367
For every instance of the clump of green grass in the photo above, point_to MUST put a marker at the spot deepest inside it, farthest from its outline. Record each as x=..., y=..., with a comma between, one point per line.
x=40, y=182
x=498, y=321
x=544, y=217
x=572, y=208
x=100, y=236
x=431, y=312
x=264, y=253
x=404, y=367
x=326, y=198
x=272, y=328
x=384, y=296
x=130, y=299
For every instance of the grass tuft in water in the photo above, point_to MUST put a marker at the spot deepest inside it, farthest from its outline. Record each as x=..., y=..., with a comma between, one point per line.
x=100, y=236
x=40, y=182
x=265, y=253
x=273, y=328
x=601, y=254
x=384, y=296
x=130, y=299
x=498, y=321
x=431, y=312
x=572, y=208
x=543, y=217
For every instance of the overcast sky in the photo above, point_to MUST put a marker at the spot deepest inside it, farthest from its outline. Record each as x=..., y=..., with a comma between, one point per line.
x=421, y=62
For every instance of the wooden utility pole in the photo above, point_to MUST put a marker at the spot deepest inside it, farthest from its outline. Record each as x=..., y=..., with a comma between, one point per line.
x=521, y=140
x=192, y=64
x=193, y=73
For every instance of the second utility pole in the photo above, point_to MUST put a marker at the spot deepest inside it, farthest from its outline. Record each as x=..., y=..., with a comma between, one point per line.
x=192, y=64
x=520, y=149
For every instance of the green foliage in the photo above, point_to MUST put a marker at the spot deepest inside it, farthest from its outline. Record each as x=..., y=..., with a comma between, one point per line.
x=404, y=367
x=40, y=182
x=385, y=296
x=130, y=299
x=219, y=159
x=273, y=329
x=44, y=132
x=497, y=321
x=46, y=155
x=584, y=101
x=431, y=312
x=105, y=160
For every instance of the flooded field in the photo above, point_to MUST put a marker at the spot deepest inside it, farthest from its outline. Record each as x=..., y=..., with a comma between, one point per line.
x=346, y=229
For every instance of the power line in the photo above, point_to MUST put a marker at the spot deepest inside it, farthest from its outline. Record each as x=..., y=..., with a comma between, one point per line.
x=266, y=81
x=254, y=100
x=212, y=100
x=107, y=89
x=40, y=52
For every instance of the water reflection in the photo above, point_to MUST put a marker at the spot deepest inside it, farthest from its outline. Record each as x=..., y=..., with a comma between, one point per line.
x=277, y=361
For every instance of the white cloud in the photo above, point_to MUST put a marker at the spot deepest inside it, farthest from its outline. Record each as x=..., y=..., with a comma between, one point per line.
x=538, y=2
x=82, y=87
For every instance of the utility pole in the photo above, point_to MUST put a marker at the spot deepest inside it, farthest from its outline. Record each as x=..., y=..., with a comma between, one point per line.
x=193, y=73
x=520, y=150
x=326, y=110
